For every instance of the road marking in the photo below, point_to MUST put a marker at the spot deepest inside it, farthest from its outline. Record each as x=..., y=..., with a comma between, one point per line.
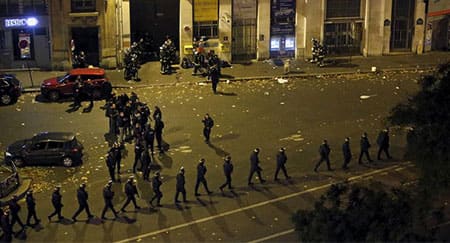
x=269, y=237
x=274, y=200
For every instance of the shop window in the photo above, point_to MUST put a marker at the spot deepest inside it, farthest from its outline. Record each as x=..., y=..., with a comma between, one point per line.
x=343, y=8
x=343, y=38
x=206, y=18
x=23, y=7
x=83, y=6
x=23, y=44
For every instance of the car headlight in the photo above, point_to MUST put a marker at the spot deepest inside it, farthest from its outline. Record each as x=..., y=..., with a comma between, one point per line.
x=8, y=154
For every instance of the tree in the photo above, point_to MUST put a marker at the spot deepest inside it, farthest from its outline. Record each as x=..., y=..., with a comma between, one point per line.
x=367, y=214
x=428, y=115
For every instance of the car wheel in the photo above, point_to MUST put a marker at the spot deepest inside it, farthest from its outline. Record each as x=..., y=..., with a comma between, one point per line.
x=6, y=99
x=97, y=94
x=19, y=162
x=67, y=161
x=53, y=95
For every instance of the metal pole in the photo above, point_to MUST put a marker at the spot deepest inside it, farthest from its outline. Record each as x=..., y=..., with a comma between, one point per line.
x=29, y=73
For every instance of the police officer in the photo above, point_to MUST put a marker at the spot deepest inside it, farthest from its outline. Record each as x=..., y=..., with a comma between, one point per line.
x=383, y=143
x=15, y=209
x=156, y=185
x=157, y=113
x=213, y=75
x=117, y=154
x=201, y=172
x=159, y=126
x=208, y=123
x=324, y=151
x=254, y=167
x=138, y=149
x=281, y=161
x=180, y=186
x=108, y=196
x=31, y=206
x=111, y=164
x=88, y=92
x=57, y=204
x=347, y=153
x=82, y=197
x=364, y=146
x=130, y=191
x=227, y=170
x=146, y=163
x=77, y=92
x=6, y=226
x=149, y=137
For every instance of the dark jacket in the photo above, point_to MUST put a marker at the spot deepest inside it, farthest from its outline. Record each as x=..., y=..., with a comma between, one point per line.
x=156, y=183
x=281, y=158
x=31, y=204
x=159, y=125
x=180, y=181
x=383, y=139
x=14, y=206
x=57, y=199
x=82, y=196
x=145, y=159
x=130, y=189
x=346, y=150
x=110, y=162
x=108, y=194
x=364, y=143
x=324, y=150
x=254, y=161
x=227, y=168
x=201, y=171
x=208, y=122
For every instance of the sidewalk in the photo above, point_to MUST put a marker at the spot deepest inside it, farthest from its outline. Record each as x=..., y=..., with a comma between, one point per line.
x=150, y=75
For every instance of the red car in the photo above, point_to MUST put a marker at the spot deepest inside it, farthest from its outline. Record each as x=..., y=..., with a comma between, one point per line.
x=55, y=88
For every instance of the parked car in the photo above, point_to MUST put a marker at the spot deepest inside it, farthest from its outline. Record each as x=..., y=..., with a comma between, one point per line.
x=47, y=148
x=9, y=178
x=10, y=89
x=58, y=87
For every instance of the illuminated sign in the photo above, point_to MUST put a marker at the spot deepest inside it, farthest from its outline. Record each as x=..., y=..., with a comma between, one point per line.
x=30, y=22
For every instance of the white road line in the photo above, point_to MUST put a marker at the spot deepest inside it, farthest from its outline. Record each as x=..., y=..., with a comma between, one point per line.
x=274, y=200
x=269, y=237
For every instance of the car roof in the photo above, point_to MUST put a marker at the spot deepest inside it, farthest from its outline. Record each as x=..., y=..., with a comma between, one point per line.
x=87, y=71
x=54, y=136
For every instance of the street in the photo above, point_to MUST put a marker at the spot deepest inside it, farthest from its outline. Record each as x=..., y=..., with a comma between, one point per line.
x=296, y=115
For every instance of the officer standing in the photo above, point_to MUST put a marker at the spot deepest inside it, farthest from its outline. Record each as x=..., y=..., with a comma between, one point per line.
x=31, y=206
x=130, y=191
x=110, y=163
x=77, y=92
x=146, y=163
x=227, y=170
x=108, y=196
x=117, y=154
x=213, y=75
x=180, y=186
x=149, y=137
x=82, y=197
x=112, y=113
x=208, y=123
x=15, y=209
x=254, y=167
x=281, y=161
x=383, y=143
x=138, y=148
x=57, y=204
x=347, y=153
x=364, y=146
x=201, y=172
x=324, y=151
x=156, y=185
x=159, y=126
x=157, y=113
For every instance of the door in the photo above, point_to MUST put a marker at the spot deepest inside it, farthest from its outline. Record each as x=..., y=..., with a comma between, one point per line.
x=54, y=152
x=86, y=40
x=37, y=153
x=343, y=38
x=402, y=27
x=244, y=39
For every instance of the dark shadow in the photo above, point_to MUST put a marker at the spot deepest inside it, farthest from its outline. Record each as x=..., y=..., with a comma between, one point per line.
x=94, y=221
x=220, y=152
x=179, y=142
x=165, y=160
x=344, y=63
x=226, y=93
x=227, y=136
x=280, y=205
x=220, y=221
x=37, y=227
x=107, y=231
x=227, y=76
x=173, y=129
x=52, y=230
x=155, y=166
x=165, y=146
x=88, y=109
x=125, y=219
x=249, y=212
x=110, y=138
x=187, y=215
x=278, y=62
x=80, y=232
x=65, y=221
x=162, y=224
x=73, y=109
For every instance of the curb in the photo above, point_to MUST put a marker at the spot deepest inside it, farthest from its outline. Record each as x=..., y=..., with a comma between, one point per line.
x=19, y=192
x=241, y=79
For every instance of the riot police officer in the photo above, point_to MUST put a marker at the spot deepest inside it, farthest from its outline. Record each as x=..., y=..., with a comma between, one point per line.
x=214, y=75
x=346, y=152
x=180, y=186
x=227, y=170
x=281, y=162
x=324, y=151
x=383, y=143
x=254, y=167
x=131, y=192
x=15, y=209
x=31, y=206
x=208, y=124
x=201, y=172
x=82, y=197
x=108, y=196
x=364, y=146
x=111, y=163
x=57, y=203
x=156, y=185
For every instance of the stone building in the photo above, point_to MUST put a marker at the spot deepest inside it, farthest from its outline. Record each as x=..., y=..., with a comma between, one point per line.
x=438, y=25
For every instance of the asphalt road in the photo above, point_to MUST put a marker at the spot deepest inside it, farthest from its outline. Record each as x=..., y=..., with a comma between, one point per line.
x=260, y=113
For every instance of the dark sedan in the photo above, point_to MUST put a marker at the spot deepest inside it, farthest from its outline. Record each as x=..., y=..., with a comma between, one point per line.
x=47, y=148
x=10, y=89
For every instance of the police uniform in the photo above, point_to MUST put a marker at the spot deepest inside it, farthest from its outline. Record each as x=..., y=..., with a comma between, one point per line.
x=31, y=206
x=15, y=209
x=324, y=151
x=383, y=144
x=130, y=191
x=254, y=167
x=57, y=204
x=201, y=171
x=108, y=196
x=111, y=163
x=347, y=153
x=281, y=161
x=227, y=170
x=208, y=123
x=82, y=197
x=364, y=146
x=156, y=185
x=180, y=185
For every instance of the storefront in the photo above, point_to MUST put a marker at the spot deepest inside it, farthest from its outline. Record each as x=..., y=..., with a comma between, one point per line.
x=282, y=28
x=24, y=42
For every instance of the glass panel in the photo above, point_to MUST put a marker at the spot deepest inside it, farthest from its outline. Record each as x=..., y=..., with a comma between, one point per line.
x=343, y=8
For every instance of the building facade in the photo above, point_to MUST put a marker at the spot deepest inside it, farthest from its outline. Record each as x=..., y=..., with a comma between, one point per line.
x=24, y=34
x=438, y=26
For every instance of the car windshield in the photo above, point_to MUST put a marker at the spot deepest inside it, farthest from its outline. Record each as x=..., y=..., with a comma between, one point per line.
x=62, y=78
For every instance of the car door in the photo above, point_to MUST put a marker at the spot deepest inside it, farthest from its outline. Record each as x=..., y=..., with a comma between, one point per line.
x=66, y=86
x=54, y=152
x=36, y=153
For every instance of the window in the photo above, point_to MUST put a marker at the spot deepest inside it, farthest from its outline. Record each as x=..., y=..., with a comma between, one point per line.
x=206, y=18
x=55, y=145
x=23, y=7
x=24, y=49
x=83, y=6
x=39, y=146
x=343, y=8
